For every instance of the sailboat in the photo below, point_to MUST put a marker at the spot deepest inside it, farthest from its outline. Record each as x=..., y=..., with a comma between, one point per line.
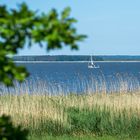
x=91, y=64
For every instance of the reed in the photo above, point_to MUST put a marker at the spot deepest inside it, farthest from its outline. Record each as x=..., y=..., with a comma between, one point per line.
x=99, y=84
x=94, y=114
x=102, y=108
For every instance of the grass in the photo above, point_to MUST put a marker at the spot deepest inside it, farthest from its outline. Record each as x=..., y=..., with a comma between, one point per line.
x=106, y=111
x=79, y=138
x=84, y=116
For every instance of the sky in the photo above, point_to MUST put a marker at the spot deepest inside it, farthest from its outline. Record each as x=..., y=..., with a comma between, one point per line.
x=112, y=26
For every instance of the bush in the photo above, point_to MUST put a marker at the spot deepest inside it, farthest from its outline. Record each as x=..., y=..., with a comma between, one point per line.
x=103, y=122
x=10, y=132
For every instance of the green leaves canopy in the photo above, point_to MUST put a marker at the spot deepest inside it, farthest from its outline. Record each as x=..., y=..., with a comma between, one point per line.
x=24, y=26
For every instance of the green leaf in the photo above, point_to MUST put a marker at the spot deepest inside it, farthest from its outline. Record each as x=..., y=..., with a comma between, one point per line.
x=66, y=13
x=21, y=26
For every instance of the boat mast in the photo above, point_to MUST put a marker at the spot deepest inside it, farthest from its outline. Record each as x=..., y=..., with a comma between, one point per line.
x=91, y=60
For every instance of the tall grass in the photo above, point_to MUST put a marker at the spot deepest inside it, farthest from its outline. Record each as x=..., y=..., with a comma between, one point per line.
x=101, y=84
x=75, y=114
x=97, y=112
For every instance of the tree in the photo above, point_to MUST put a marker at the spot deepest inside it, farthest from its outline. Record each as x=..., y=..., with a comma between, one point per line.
x=10, y=132
x=22, y=25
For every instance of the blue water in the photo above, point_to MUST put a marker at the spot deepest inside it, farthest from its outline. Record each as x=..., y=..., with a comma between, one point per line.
x=71, y=77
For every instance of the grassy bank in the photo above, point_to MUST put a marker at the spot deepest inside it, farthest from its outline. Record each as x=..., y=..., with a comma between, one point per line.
x=76, y=115
x=81, y=138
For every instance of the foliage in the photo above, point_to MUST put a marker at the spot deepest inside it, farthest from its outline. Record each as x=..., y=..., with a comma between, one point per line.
x=101, y=122
x=9, y=132
x=22, y=26
x=86, y=137
x=95, y=115
x=51, y=128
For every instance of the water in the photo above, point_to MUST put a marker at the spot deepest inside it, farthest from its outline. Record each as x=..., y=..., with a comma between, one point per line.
x=64, y=77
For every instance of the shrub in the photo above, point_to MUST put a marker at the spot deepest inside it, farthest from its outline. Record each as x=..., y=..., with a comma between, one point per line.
x=10, y=132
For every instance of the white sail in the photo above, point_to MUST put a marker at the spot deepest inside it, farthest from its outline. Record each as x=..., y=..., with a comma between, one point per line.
x=91, y=64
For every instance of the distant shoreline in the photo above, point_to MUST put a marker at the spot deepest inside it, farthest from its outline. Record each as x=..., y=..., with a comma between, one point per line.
x=75, y=58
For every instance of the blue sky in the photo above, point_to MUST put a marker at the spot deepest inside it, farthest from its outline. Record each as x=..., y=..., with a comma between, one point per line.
x=112, y=26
